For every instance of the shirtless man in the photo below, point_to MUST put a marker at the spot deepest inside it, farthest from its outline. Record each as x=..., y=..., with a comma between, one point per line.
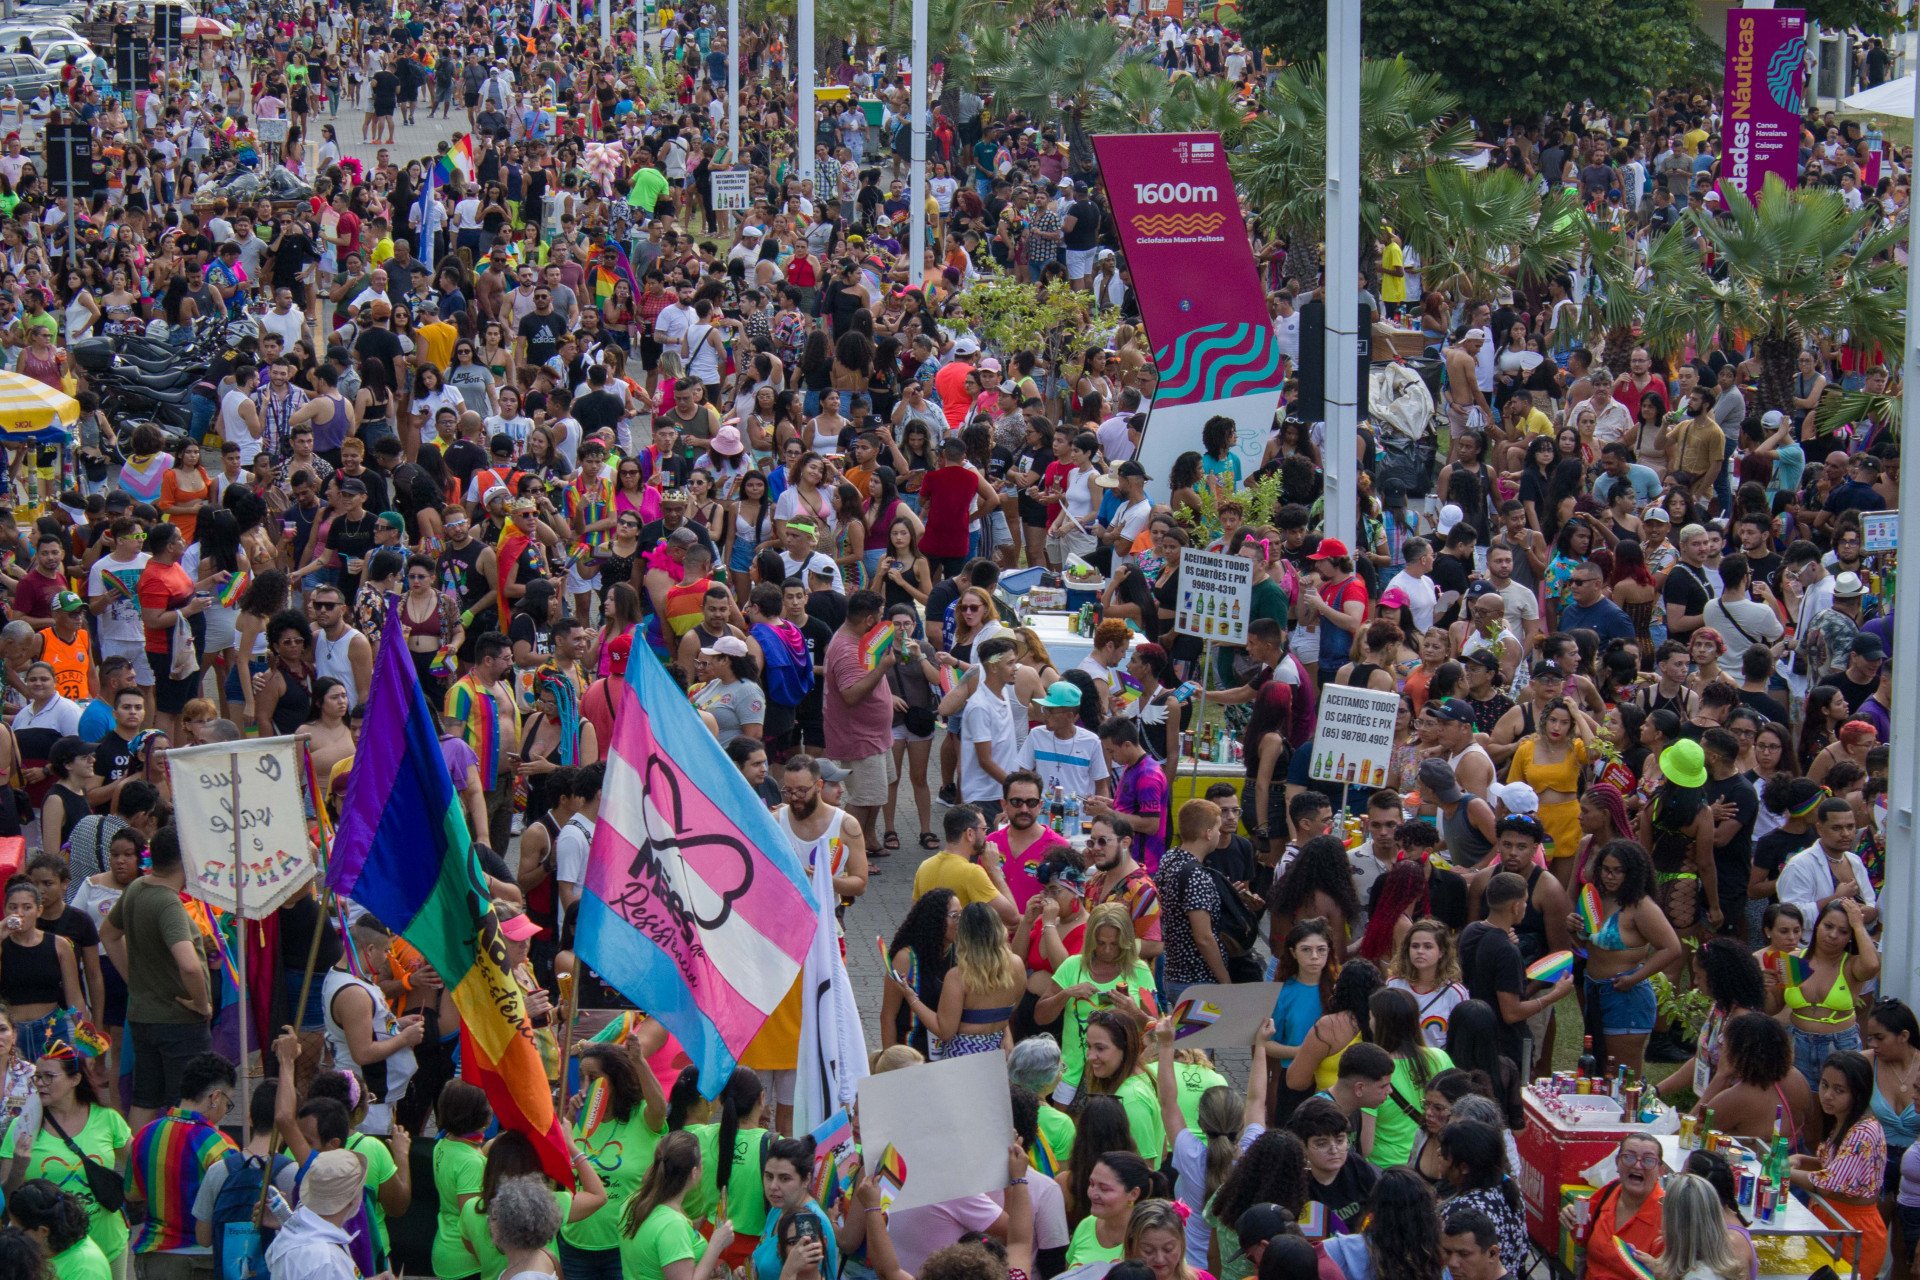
x=1463, y=389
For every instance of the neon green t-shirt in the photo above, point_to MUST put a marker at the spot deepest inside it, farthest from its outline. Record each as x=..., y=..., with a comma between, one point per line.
x=457, y=1170
x=105, y=1132
x=1056, y=1127
x=666, y=1236
x=1086, y=1247
x=1394, y=1129
x=1141, y=1097
x=83, y=1261
x=1074, y=1018
x=746, y=1198
x=473, y=1230
x=380, y=1167
x=620, y=1151
x=1192, y=1080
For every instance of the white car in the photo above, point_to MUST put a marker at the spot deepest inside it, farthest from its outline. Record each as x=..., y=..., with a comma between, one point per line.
x=55, y=53
x=38, y=34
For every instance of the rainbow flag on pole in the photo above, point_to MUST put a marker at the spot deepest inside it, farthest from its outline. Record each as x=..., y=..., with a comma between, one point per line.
x=695, y=908
x=404, y=853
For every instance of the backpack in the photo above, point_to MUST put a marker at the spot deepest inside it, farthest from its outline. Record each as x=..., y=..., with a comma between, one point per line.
x=1239, y=929
x=789, y=674
x=240, y=1247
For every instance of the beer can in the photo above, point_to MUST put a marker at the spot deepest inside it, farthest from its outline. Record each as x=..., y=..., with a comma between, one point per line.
x=1709, y=1141
x=1585, y=1085
x=1744, y=1187
x=1630, y=1103
x=1688, y=1125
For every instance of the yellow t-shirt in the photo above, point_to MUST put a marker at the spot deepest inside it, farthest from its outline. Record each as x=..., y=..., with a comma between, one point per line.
x=1392, y=288
x=1536, y=423
x=439, y=338
x=968, y=880
x=382, y=250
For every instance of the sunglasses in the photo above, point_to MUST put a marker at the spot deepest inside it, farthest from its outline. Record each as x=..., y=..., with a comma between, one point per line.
x=1013, y=803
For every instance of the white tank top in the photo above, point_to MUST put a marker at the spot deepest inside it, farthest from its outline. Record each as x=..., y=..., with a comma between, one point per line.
x=386, y=1081
x=332, y=658
x=233, y=428
x=808, y=850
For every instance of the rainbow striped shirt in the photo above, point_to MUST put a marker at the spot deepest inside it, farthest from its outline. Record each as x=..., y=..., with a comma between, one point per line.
x=169, y=1160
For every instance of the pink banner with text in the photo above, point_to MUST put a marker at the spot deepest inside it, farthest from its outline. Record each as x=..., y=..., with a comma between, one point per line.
x=1760, y=109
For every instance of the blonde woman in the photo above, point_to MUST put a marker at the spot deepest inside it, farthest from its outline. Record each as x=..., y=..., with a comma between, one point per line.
x=980, y=992
x=1107, y=973
x=1697, y=1245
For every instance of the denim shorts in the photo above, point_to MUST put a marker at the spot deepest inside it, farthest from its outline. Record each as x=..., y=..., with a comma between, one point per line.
x=1621, y=1013
x=1811, y=1049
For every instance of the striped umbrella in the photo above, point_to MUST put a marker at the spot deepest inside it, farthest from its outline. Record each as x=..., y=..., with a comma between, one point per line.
x=31, y=412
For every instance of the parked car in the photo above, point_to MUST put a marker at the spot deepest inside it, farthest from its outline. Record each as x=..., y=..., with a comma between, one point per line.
x=56, y=52
x=26, y=74
x=39, y=34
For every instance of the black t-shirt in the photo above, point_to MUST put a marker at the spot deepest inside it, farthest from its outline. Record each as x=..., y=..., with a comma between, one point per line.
x=542, y=334
x=80, y=931
x=197, y=243
x=295, y=252
x=1446, y=897
x=297, y=922
x=1855, y=694
x=1766, y=704
x=654, y=533
x=818, y=635
x=1347, y=1195
x=386, y=87
x=1086, y=225
x=827, y=606
x=939, y=599
x=1765, y=569
x=1734, y=859
x=463, y=458
x=1490, y=964
x=378, y=344
x=1037, y=461
x=351, y=539
x=1235, y=862
x=1771, y=851
x=1687, y=587
x=597, y=409
x=113, y=757
x=524, y=628
x=1450, y=573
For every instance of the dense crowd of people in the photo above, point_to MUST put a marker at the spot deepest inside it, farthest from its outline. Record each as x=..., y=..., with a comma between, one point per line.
x=534, y=408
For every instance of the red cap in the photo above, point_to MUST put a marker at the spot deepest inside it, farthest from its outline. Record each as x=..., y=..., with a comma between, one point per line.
x=1330, y=547
x=618, y=648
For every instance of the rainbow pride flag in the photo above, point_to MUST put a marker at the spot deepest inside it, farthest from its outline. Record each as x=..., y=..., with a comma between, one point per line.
x=696, y=907
x=1793, y=969
x=404, y=853
x=237, y=584
x=874, y=644
x=1588, y=907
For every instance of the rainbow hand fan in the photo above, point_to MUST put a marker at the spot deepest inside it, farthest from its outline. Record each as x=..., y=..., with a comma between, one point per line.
x=1794, y=970
x=443, y=663
x=1638, y=1263
x=594, y=1110
x=1552, y=967
x=891, y=1167
x=1587, y=906
x=875, y=644
x=1191, y=1016
x=236, y=587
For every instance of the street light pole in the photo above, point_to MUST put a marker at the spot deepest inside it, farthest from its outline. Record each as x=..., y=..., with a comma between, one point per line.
x=917, y=170
x=1342, y=266
x=803, y=117
x=733, y=82
x=1903, y=782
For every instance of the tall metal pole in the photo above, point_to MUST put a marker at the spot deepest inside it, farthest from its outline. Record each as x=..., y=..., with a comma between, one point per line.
x=606, y=22
x=1901, y=977
x=1343, y=264
x=240, y=915
x=803, y=117
x=733, y=81
x=917, y=166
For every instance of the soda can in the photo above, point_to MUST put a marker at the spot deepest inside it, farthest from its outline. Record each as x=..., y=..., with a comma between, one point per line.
x=1583, y=1210
x=1586, y=1085
x=1766, y=1195
x=1744, y=1187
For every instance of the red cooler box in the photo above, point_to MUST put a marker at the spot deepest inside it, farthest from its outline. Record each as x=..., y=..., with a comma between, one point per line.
x=1553, y=1154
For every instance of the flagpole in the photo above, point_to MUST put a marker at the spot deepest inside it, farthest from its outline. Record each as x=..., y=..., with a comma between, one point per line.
x=733, y=81
x=917, y=167
x=803, y=117
x=240, y=914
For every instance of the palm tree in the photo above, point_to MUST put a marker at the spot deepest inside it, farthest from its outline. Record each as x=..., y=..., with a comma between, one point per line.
x=960, y=35
x=1059, y=72
x=1796, y=263
x=1479, y=230
x=1409, y=122
x=1134, y=99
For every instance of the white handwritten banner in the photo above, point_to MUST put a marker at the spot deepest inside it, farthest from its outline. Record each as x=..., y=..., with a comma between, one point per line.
x=268, y=863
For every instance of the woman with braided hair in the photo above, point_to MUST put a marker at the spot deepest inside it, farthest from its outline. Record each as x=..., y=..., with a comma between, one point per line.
x=554, y=735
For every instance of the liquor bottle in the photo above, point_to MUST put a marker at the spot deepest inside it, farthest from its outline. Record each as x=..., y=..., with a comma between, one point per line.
x=1206, y=747
x=1588, y=1064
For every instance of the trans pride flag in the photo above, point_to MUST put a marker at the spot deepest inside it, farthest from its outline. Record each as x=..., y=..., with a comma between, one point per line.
x=403, y=853
x=695, y=906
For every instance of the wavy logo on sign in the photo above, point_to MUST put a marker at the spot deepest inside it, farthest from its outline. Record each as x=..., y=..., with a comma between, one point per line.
x=1178, y=224
x=1783, y=73
x=1218, y=362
